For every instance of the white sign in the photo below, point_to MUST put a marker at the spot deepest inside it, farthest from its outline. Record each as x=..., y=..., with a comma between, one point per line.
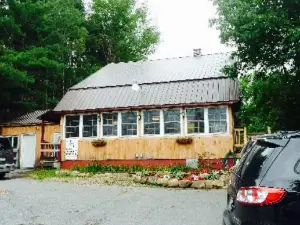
x=71, y=151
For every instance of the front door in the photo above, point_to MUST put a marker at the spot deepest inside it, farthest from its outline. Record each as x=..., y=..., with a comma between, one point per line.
x=28, y=151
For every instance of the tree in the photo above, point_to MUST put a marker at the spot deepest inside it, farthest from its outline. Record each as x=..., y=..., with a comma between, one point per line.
x=267, y=37
x=47, y=46
x=119, y=31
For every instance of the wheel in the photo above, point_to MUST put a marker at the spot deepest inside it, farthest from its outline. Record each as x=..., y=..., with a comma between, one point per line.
x=2, y=175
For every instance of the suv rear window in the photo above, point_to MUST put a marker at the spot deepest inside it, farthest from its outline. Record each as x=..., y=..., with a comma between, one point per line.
x=253, y=160
x=4, y=144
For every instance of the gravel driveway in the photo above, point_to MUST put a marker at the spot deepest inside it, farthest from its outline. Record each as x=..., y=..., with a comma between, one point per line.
x=24, y=202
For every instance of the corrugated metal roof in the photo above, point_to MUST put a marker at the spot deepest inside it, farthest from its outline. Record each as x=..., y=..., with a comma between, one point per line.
x=159, y=94
x=164, y=82
x=27, y=119
x=163, y=70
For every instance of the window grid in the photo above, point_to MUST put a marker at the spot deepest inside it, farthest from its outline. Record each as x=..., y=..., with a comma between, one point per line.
x=172, y=122
x=217, y=119
x=90, y=127
x=195, y=120
x=110, y=124
x=151, y=122
x=129, y=124
x=72, y=126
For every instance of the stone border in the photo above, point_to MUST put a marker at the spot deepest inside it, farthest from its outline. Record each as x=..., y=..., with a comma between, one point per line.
x=221, y=183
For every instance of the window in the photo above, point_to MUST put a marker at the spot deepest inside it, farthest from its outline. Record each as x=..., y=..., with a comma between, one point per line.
x=72, y=126
x=172, y=121
x=110, y=124
x=195, y=120
x=129, y=123
x=90, y=126
x=152, y=122
x=217, y=118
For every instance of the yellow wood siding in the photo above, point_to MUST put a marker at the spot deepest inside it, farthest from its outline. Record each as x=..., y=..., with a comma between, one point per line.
x=37, y=130
x=156, y=147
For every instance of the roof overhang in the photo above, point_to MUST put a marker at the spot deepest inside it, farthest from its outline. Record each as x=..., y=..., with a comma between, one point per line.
x=139, y=108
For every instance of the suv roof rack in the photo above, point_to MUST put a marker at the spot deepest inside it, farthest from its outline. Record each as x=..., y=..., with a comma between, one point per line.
x=281, y=135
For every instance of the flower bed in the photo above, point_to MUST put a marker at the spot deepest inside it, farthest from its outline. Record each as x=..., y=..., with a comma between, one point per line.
x=213, y=179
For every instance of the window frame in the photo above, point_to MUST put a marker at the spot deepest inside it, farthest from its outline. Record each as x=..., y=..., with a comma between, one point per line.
x=65, y=126
x=204, y=121
x=81, y=126
x=181, y=122
x=118, y=125
x=227, y=120
x=137, y=124
x=143, y=124
x=97, y=129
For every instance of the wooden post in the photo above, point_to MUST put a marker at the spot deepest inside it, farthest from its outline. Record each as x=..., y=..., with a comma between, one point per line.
x=269, y=130
x=43, y=131
x=245, y=135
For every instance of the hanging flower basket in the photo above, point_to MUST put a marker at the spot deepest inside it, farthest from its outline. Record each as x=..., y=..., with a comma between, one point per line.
x=99, y=143
x=184, y=140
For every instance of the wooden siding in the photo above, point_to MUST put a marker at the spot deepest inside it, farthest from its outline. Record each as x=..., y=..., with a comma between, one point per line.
x=156, y=147
x=34, y=129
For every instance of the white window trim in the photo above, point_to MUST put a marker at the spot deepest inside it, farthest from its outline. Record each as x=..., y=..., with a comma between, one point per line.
x=206, y=122
x=81, y=126
x=227, y=121
x=181, y=111
x=186, y=122
x=161, y=133
x=120, y=125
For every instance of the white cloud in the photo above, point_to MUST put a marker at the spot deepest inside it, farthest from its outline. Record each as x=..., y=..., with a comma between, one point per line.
x=184, y=25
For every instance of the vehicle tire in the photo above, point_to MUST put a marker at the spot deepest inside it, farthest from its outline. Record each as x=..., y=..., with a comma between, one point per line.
x=2, y=175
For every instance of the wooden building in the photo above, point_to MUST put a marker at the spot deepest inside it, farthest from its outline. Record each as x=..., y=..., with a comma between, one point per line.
x=156, y=112
x=29, y=135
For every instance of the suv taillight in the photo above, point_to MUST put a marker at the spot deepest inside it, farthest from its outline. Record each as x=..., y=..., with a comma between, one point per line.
x=260, y=195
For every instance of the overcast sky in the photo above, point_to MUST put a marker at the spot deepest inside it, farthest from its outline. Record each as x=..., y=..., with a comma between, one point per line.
x=184, y=25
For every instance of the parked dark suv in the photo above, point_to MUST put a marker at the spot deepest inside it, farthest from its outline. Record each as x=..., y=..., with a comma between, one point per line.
x=6, y=157
x=265, y=185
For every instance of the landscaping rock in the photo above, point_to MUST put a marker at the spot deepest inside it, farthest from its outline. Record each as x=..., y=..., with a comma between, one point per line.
x=162, y=182
x=173, y=183
x=185, y=183
x=152, y=180
x=217, y=184
x=208, y=184
x=144, y=180
x=198, y=184
x=225, y=179
x=137, y=179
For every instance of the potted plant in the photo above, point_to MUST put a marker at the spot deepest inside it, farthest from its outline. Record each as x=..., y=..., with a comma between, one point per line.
x=99, y=143
x=184, y=140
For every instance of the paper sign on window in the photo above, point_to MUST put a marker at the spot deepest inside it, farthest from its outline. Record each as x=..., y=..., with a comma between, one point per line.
x=71, y=151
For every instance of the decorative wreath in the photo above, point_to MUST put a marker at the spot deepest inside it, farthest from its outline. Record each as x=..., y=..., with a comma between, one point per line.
x=226, y=157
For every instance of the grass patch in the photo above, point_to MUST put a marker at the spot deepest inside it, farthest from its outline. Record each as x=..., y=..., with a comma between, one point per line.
x=97, y=168
x=42, y=174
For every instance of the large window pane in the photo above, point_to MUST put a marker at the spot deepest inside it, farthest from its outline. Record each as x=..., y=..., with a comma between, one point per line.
x=72, y=126
x=152, y=122
x=110, y=124
x=217, y=118
x=195, y=120
x=129, y=123
x=172, y=121
x=90, y=126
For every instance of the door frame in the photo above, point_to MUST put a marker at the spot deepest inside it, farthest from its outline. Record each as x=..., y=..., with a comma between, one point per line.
x=22, y=146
